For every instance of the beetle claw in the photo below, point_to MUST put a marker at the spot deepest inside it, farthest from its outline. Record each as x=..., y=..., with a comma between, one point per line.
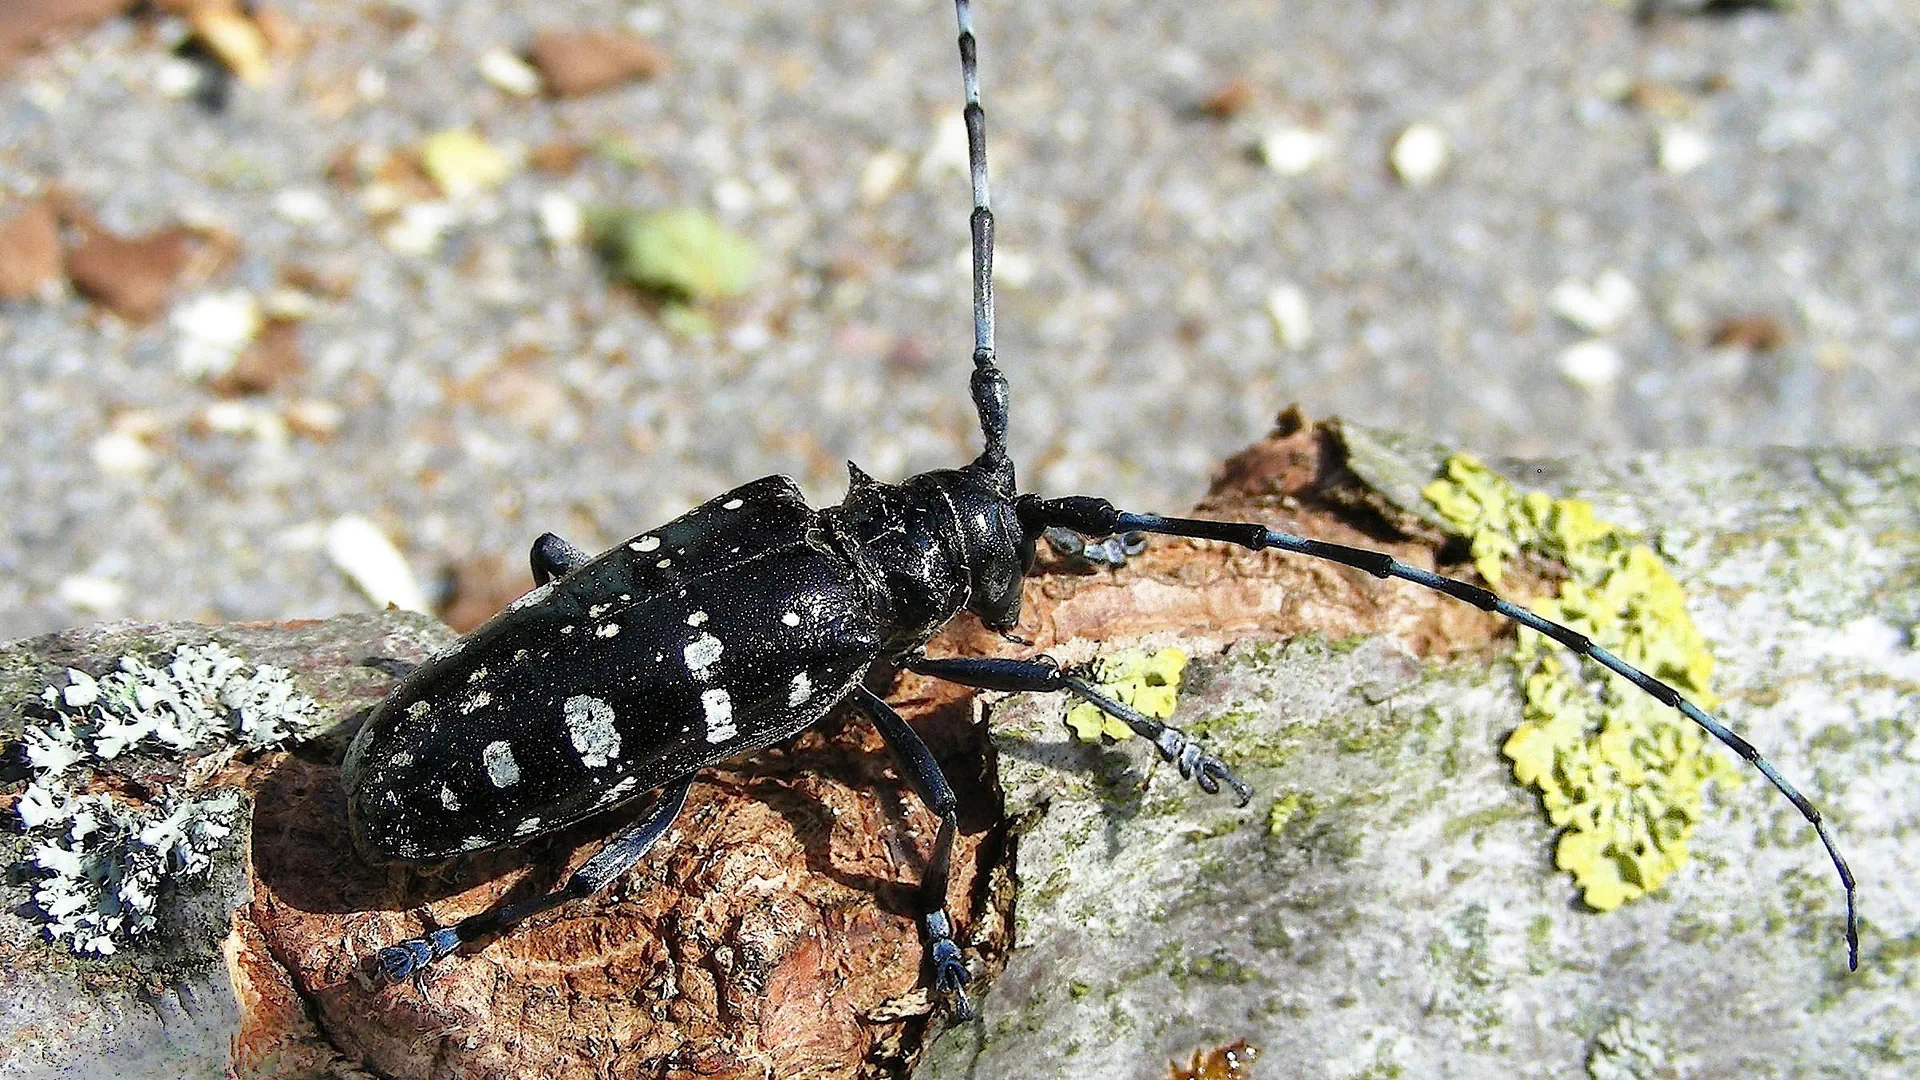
x=410, y=957
x=399, y=962
x=949, y=969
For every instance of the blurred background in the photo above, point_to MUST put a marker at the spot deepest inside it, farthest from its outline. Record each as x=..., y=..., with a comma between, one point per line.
x=311, y=306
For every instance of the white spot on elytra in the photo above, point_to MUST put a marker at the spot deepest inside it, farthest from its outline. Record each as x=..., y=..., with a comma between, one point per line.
x=590, y=727
x=479, y=699
x=702, y=654
x=478, y=674
x=608, y=629
x=474, y=843
x=645, y=543
x=618, y=791
x=800, y=690
x=598, y=610
x=719, y=709
x=732, y=504
x=401, y=760
x=664, y=563
x=448, y=799
x=532, y=597
x=791, y=618
x=698, y=618
x=418, y=710
x=567, y=629
x=501, y=768
x=527, y=827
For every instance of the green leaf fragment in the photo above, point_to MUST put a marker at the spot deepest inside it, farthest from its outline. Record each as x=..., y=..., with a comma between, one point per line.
x=1623, y=775
x=681, y=253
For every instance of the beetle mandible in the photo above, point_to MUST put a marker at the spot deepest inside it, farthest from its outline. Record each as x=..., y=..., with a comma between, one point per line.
x=752, y=616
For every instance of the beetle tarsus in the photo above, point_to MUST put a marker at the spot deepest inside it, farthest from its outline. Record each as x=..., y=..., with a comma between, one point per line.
x=400, y=962
x=950, y=972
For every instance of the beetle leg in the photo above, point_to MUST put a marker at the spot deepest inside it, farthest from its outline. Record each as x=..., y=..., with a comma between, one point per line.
x=923, y=772
x=1043, y=675
x=616, y=857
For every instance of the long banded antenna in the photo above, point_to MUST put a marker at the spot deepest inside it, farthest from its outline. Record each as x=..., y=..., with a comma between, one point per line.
x=989, y=385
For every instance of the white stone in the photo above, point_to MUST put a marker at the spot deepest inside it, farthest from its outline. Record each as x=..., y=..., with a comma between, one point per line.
x=1681, y=149
x=213, y=330
x=1419, y=155
x=509, y=73
x=562, y=223
x=1599, y=308
x=1292, y=319
x=1592, y=364
x=1291, y=151
x=372, y=562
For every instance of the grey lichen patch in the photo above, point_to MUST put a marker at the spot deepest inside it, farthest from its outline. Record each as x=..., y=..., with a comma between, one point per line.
x=1630, y=1050
x=101, y=865
x=1387, y=908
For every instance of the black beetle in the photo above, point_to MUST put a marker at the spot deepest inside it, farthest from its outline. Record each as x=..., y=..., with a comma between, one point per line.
x=753, y=615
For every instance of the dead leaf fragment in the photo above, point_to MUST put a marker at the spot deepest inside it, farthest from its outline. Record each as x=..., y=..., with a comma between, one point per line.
x=558, y=156
x=29, y=251
x=576, y=64
x=270, y=361
x=132, y=277
x=1229, y=100
x=1757, y=332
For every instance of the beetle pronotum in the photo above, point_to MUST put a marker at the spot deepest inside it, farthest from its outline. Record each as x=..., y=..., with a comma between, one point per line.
x=749, y=618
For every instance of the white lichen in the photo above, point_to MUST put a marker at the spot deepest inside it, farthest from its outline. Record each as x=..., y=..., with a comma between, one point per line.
x=103, y=864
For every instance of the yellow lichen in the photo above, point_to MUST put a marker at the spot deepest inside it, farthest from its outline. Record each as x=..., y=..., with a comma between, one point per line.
x=1620, y=773
x=1150, y=682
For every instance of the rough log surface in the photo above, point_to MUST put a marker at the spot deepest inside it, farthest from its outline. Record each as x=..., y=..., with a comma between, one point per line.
x=1388, y=906
x=1398, y=923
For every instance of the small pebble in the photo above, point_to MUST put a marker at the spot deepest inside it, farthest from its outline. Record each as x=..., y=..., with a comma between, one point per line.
x=946, y=151
x=1681, y=149
x=178, y=78
x=314, y=419
x=1291, y=151
x=1599, y=308
x=1292, y=318
x=301, y=206
x=420, y=228
x=121, y=453
x=1593, y=364
x=96, y=594
x=562, y=223
x=213, y=330
x=363, y=553
x=882, y=176
x=509, y=73
x=1419, y=155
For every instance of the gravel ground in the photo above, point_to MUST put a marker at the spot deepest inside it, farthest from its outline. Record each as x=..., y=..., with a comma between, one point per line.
x=1760, y=164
